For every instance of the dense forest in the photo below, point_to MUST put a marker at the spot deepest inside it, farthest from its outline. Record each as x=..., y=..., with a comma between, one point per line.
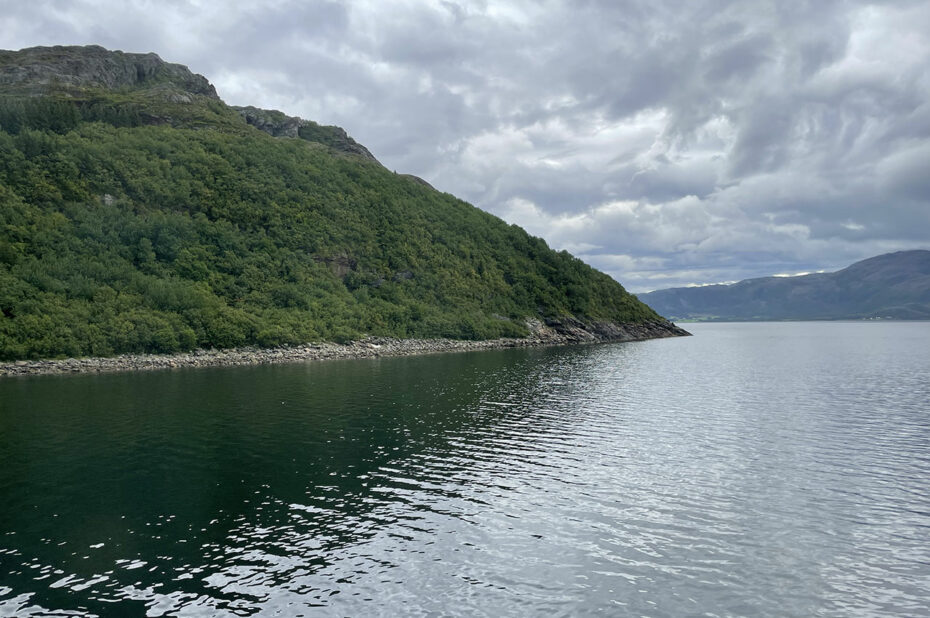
x=127, y=226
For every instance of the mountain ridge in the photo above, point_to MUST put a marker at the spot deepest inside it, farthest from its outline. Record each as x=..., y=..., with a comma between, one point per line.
x=85, y=74
x=63, y=68
x=893, y=285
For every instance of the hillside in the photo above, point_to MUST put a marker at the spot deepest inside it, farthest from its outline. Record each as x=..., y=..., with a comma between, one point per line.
x=894, y=285
x=139, y=213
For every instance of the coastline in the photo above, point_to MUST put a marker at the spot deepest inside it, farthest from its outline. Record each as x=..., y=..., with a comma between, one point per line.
x=553, y=332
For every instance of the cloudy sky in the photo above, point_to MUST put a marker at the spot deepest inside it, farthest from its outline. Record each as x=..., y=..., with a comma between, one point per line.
x=665, y=142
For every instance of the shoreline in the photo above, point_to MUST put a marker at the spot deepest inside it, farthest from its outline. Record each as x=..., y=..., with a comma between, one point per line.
x=552, y=333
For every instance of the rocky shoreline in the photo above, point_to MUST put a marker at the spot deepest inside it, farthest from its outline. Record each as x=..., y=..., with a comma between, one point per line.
x=551, y=332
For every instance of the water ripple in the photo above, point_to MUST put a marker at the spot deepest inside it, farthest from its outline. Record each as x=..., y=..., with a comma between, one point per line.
x=758, y=469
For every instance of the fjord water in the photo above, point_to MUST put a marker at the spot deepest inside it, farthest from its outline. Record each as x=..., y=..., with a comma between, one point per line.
x=753, y=469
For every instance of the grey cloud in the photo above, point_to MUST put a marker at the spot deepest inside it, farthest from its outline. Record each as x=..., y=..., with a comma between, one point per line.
x=764, y=140
x=907, y=173
x=739, y=60
x=670, y=141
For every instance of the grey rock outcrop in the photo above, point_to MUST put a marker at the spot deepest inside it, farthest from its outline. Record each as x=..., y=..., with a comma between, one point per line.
x=39, y=70
x=271, y=121
x=278, y=124
x=572, y=330
x=71, y=70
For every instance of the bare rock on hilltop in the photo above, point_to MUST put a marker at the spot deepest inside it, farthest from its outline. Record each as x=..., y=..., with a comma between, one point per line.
x=40, y=70
x=278, y=124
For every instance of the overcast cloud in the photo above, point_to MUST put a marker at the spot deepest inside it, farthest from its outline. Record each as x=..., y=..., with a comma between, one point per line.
x=664, y=142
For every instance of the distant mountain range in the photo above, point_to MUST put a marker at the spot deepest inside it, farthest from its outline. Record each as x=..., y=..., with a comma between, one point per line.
x=894, y=286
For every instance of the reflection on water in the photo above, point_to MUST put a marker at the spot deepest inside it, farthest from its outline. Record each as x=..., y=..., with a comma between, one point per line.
x=752, y=469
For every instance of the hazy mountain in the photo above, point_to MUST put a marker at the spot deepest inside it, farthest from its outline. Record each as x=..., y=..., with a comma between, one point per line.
x=894, y=285
x=138, y=212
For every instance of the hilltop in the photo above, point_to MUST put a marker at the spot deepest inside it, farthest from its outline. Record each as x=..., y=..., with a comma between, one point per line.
x=140, y=214
x=894, y=286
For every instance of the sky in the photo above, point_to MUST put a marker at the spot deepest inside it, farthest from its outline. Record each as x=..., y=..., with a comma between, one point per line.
x=665, y=142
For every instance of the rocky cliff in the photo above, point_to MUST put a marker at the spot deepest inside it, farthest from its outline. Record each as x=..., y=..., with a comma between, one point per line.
x=279, y=124
x=82, y=73
x=42, y=70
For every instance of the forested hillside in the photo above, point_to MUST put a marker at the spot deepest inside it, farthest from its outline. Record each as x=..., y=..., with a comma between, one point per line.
x=144, y=216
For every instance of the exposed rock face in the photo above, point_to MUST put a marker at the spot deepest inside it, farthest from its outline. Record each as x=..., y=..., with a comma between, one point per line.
x=271, y=121
x=69, y=70
x=278, y=124
x=38, y=70
x=341, y=265
x=573, y=330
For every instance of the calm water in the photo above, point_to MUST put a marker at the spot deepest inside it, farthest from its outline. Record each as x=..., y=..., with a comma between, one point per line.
x=754, y=469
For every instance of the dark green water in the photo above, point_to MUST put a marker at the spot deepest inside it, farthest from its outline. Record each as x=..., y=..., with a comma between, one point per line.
x=754, y=469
